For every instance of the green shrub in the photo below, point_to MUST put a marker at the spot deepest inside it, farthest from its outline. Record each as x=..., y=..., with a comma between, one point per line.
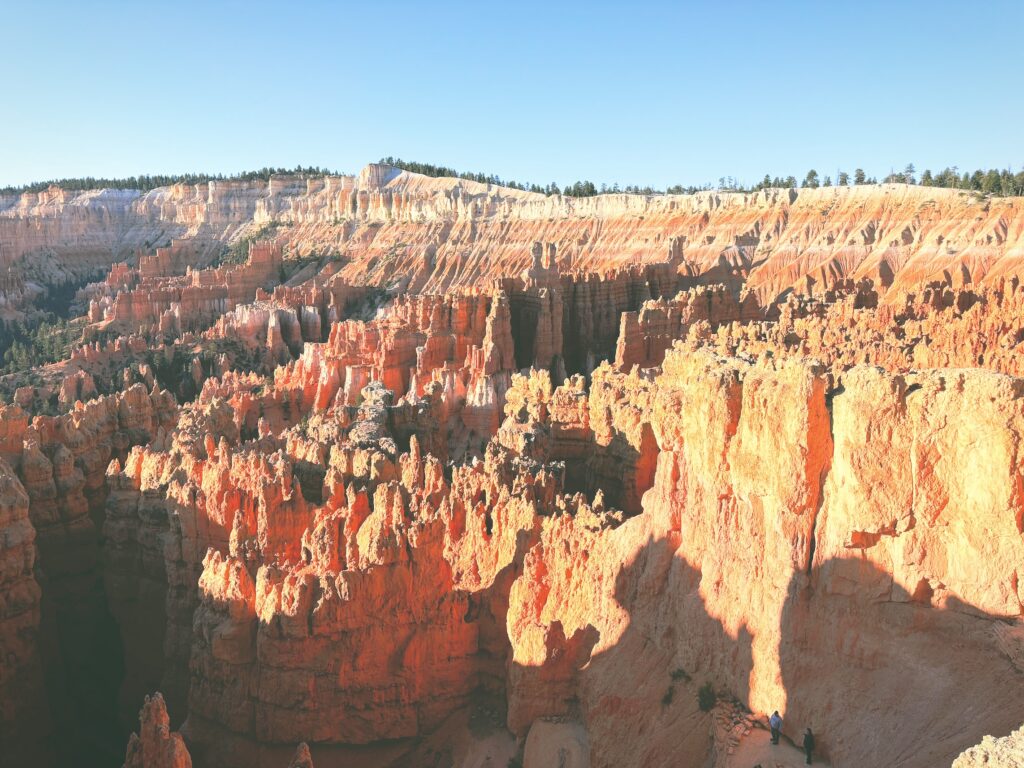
x=706, y=697
x=680, y=674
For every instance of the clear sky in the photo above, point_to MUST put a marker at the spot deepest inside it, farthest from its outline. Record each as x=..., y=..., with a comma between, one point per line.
x=634, y=93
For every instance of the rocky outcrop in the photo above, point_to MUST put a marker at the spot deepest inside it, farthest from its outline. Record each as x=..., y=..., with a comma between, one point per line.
x=82, y=227
x=761, y=579
x=194, y=300
x=995, y=752
x=156, y=746
x=16, y=296
x=772, y=240
x=61, y=463
x=436, y=234
x=645, y=336
x=776, y=581
x=607, y=496
x=24, y=717
x=302, y=587
x=934, y=326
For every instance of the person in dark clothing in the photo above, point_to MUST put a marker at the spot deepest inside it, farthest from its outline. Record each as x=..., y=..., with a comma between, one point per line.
x=775, y=723
x=809, y=745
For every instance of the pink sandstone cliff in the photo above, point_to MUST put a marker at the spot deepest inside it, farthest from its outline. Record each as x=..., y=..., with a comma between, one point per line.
x=440, y=233
x=582, y=460
x=777, y=582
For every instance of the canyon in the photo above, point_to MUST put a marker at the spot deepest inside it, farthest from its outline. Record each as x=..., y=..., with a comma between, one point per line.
x=393, y=470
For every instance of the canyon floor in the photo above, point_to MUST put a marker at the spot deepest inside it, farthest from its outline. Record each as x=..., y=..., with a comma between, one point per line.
x=389, y=470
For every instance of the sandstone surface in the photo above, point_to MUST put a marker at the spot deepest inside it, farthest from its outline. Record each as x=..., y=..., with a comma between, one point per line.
x=449, y=474
x=1004, y=752
x=443, y=233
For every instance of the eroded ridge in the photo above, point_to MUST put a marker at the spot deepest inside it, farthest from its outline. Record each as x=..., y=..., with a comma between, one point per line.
x=447, y=494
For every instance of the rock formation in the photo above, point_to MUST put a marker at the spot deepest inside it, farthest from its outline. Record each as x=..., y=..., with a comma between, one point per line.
x=156, y=746
x=24, y=718
x=447, y=473
x=1005, y=752
x=442, y=233
x=61, y=464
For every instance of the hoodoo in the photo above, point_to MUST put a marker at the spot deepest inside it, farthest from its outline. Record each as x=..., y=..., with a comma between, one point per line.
x=398, y=470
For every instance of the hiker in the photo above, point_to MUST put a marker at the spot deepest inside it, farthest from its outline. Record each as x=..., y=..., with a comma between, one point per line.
x=808, y=745
x=775, y=722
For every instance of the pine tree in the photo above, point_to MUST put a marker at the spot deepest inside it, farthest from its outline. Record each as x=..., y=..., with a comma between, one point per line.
x=991, y=183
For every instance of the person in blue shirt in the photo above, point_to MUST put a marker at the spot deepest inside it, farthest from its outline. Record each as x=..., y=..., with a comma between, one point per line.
x=775, y=722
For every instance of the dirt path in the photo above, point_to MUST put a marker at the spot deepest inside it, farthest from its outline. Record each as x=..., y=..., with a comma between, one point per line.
x=756, y=749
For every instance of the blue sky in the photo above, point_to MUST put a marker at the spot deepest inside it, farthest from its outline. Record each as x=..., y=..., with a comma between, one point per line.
x=656, y=93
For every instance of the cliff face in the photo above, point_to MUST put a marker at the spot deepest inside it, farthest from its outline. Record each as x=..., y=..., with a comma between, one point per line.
x=585, y=470
x=25, y=728
x=844, y=563
x=437, y=234
x=791, y=581
x=87, y=225
x=60, y=464
x=91, y=227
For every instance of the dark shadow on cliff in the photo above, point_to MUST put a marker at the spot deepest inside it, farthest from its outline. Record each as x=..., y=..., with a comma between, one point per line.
x=83, y=660
x=885, y=676
x=732, y=275
x=639, y=698
x=622, y=472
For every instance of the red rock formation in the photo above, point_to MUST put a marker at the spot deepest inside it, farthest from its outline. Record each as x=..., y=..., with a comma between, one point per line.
x=644, y=336
x=436, y=234
x=570, y=625
x=156, y=746
x=933, y=327
x=779, y=618
x=381, y=512
x=24, y=718
x=78, y=386
x=61, y=465
x=195, y=299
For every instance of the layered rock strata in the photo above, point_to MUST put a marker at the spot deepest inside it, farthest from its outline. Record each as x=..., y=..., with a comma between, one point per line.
x=436, y=234
x=836, y=565
x=782, y=581
x=531, y=498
